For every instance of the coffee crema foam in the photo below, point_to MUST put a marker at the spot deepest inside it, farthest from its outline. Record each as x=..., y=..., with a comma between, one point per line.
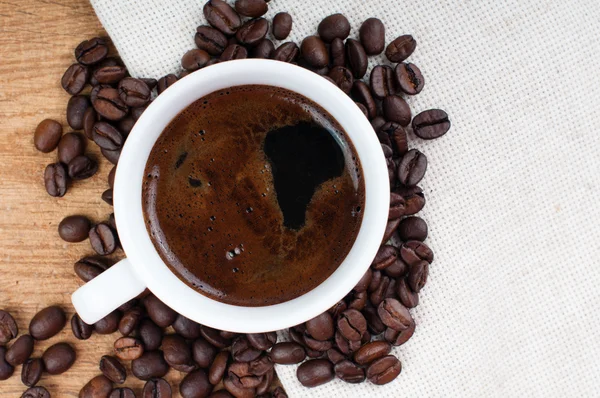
x=253, y=195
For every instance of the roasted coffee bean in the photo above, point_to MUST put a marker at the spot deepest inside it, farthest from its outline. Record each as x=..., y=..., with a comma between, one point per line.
x=384, y=370
x=128, y=348
x=186, y=327
x=394, y=315
x=374, y=324
x=6, y=369
x=8, y=327
x=47, y=323
x=417, y=276
x=338, y=52
x=214, y=337
x=352, y=324
x=151, y=83
x=92, y=51
x=195, y=384
x=228, y=335
x=74, y=228
x=287, y=353
x=262, y=341
x=321, y=327
x=126, y=124
x=109, y=324
x=397, y=269
x=348, y=371
x=210, y=40
x=314, y=52
x=157, y=388
x=239, y=373
x=194, y=59
x=165, y=82
x=242, y=351
x=263, y=49
x=261, y=366
x=130, y=320
x=265, y=383
x=375, y=281
x=32, y=371
x=364, y=282
x=150, y=365
x=90, y=117
x=382, y=81
x=221, y=16
x=21, y=349
x=397, y=135
x=409, y=78
x=218, y=367
x=363, y=109
x=431, y=124
x=103, y=239
x=333, y=26
x=111, y=156
x=342, y=77
x=385, y=257
x=203, y=352
x=127, y=306
x=414, y=202
x=395, y=109
x=113, y=369
x=235, y=387
x=287, y=52
x=401, y=48
x=58, y=358
x=362, y=94
x=251, y=8
x=107, y=196
x=109, y=105
x=106, y=136
x=159, y=312
x=109, y=74
x=279, y=393
x=99, y=386
x=372, y=36
x=338, y=308
x=122, y=392
x=397, y=206
x=76, y=108
x=412, y=168
x=388, y=153
x=413, y=252
x=111, y=177
x=88, y=268
x=177, y=353
x=396, y=337
x=315, y=372
x=412, y=228
x=282, y=25
x=407, y=297
x=81, y=330
x=334, y=356
x=313, y=354
x=75, y=78
x=70, y=146
x=252, y=32
x=55, y=179
x=234, y=51
x=357, y=58
x=134, y=92
x=316, y=345
x=378, y=295
x=357, y=300
x=47, y=135
x=36, y=392
x=151, y=334
x=371, y=352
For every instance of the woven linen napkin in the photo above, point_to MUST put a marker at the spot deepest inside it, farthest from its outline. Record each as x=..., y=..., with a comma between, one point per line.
x=512, y=306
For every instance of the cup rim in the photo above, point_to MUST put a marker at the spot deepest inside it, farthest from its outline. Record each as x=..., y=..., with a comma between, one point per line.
x=167, y=286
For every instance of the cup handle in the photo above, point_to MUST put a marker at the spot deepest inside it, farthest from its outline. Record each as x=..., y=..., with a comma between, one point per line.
x=106, y=292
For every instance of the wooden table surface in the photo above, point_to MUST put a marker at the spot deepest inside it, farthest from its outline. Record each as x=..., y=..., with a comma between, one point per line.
x=37, y=39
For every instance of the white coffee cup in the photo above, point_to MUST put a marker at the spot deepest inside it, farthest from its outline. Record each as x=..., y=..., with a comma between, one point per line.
x=143, y=268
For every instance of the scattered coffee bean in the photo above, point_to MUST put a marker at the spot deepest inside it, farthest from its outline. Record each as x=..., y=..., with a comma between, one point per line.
x=214, y=337
x=412, y=168
x=6, y=369
x=103, y=239
x=220, y=15
x=82, y=167
x=36, y=392
x=316, y=345
x=81, y=330
x=372, y=36
x=413, y=252
x=130, y=320
x=109, y=324
x=287, y=52
x=265, y=384
x=372, y=351
x=412, y=228
x=159, y=312
x=88, y=268
x=338, y=308
x=252, y=32
x=210, y=40
x=107, y=136
x=357, y=58
x=47, y=323
x=195, y=385
x=397, y=206
x=407, y=297
x=109, y=74
x=384, y=370
x=107, y=196
x=342, y=77
x=401, y=48
x=251, y=8
x=20, y=351
x=193, y=60
x=388, y=153
x=242, y=351
x=75, y=78
x=395, y=109
x=382, y=81
x=55, y=179
x=314, y=52
x=128, y=348
x=90, y=117
x=74, y=228
x=374, y=324
x=417, y=276
x=315, y=372
x=177, y=353
x=263, y=49
x=364, y=282
x=352, y=324
x=335, y=356
x=287, y=353
x=150, y=365
x=394, y=315
x=122, y=392
x=109, y=105
x=113, y=369
x=32, y=371
x=333, y=26
x=157, y=388
x=47, y=135
x=362, y=93
x=135, y=92
x=70, y=146
x=262, y=341
x=377, y=295
x=348, y=371
x=8, y=327
x=431, y=124
x=111, y=156
x=321, y=327
x=338, y=52
x=282, y=25
x=218, y=367
x=234, y=51
x=409, y=78
x=385, y=257
x=92, y=51
x=165, y=82
x=150, y=334
x=58, y=358
x=99, y=386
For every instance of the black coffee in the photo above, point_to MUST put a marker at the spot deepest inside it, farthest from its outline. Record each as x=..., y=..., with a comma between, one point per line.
x=253, y=195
